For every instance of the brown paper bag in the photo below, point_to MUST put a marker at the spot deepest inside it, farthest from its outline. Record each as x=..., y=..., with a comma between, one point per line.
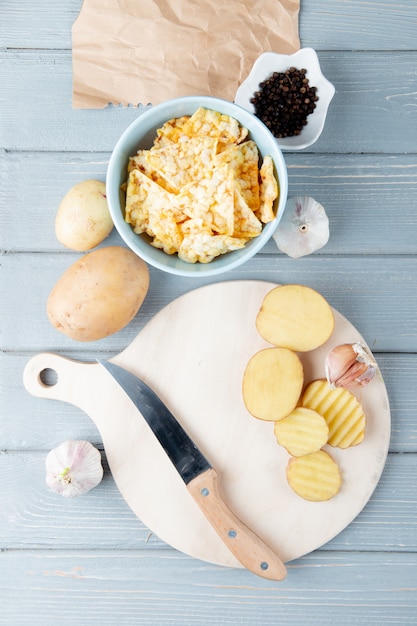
x=147, y=51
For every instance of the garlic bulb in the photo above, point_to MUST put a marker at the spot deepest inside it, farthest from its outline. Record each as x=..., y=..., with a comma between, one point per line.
x=73, y=468
x=304, y=227
x=350, y=366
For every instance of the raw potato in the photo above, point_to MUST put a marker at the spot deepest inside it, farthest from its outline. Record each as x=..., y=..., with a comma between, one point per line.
x=83, y=219
x=272, y=383
x=295, y=317
x=341, y=410
x=303, y=431
x=99, y=294
x=315, y=477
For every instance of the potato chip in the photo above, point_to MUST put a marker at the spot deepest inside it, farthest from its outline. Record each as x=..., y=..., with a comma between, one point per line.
x=246, y=224
x=208, y=123
x=139, y=189
x=269, y=191
x=170, y=132
x=204, y=247
x=175, y=165
x=243, y=159
x=142, y=163
x=211, y=198
x=184, y=162
x=315, y=477
x=165, y=228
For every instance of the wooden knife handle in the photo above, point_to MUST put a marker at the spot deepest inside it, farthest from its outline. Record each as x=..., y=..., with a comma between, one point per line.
x=244, y=544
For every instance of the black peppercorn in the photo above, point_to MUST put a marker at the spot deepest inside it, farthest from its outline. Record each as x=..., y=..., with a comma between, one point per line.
x=284, y=101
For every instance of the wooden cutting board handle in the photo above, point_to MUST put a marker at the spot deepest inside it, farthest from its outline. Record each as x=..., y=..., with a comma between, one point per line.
x=83, y=384
x=54, y=377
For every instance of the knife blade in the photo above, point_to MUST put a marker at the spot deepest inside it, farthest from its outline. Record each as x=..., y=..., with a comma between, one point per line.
x=199, y=476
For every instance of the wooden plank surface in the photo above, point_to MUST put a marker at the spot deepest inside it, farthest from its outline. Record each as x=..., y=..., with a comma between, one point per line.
x=90, y=560
x=360, y=194
x=324, y=25
x=376, y=106
x=104, y=521
x=355, y=286
x=136, y=587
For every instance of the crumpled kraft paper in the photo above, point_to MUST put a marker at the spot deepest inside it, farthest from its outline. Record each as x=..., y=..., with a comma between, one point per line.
x=135, y=52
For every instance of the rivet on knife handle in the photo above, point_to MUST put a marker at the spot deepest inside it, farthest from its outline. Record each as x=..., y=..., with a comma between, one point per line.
x=246, y=546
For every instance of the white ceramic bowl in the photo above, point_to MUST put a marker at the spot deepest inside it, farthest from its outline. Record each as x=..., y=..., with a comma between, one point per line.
x=270, y=62
x=140, y=134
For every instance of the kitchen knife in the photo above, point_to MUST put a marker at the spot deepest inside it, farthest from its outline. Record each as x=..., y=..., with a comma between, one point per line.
x=199, y=477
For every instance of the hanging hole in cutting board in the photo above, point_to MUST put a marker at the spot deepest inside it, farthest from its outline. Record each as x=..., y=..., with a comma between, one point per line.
x=48, y=377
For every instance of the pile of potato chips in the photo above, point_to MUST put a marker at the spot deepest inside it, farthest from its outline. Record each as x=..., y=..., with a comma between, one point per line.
x=199, y=191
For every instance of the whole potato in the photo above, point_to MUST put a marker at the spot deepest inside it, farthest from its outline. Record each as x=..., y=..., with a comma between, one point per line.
x=99, y=294
x=83, y=219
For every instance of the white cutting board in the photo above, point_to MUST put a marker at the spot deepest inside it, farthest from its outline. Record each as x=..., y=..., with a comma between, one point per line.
x=193, y=353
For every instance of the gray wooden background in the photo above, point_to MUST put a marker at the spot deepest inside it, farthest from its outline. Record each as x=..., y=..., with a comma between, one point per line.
x=90, y=560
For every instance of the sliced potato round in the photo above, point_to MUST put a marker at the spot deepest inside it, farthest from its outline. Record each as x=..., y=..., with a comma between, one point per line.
x=303, y=431
x=315, y=477
x=272, y=383
x=295, y=317
x=340, y=408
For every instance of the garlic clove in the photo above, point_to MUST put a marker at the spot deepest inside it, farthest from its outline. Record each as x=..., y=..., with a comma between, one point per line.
x=304, y=227
x=349, y=365
x=73, y=468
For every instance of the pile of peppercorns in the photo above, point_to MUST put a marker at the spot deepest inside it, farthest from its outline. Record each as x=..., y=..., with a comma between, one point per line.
x=284, y=101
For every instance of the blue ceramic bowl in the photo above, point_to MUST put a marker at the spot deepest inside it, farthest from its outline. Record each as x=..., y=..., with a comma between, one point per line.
x=140, y=135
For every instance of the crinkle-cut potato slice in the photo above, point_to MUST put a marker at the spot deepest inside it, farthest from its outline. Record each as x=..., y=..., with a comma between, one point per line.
x=209, y=123
x=302, y=432
x=272, y=383
x=243, y=159
x=269, y=191
x=342, y=411
x=315, y=477
x=295, y=317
